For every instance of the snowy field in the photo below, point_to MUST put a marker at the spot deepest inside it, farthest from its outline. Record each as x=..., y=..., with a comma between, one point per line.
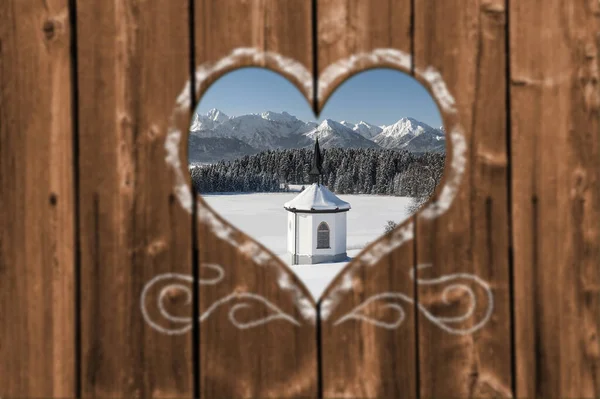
x=261, y=215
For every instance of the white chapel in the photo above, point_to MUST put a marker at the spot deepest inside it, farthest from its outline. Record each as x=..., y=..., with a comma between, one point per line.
x=316, y=222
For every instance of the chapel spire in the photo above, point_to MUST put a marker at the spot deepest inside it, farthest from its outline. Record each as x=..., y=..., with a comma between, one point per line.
x=316, y=170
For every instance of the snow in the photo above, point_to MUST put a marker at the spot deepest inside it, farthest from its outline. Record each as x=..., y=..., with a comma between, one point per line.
x=317, y=277
x=201, y=122
x=316, y=197
x=217, y=116
x=328, y=128
x=405, y=126
x=366, y=222
x=274, y=130
x=401, y=133
x=367, y=130
x=336, y=134
x=212, y=119
x=267, y=130
x=297, y=187
x=278, y=117
x=363, y=128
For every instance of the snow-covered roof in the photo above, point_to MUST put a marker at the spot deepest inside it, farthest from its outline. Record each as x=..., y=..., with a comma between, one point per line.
x=316, y=197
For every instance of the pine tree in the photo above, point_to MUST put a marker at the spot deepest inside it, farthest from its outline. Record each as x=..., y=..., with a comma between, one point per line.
x=390, y=225
x=345, y=170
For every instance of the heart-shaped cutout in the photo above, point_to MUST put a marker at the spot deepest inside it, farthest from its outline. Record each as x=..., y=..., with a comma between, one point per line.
x=316, y=193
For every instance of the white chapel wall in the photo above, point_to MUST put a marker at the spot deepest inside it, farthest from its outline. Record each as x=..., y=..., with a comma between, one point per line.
x=290, y=232
x=305, y=235
x=340, y=238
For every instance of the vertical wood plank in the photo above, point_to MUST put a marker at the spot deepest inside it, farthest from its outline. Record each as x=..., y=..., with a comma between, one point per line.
x=465, y=42
x=36, y=201
x=133, y=61
x=360, y=359
x=351, y=27
x=269, y=357
x=556, y=196
x=279, y=27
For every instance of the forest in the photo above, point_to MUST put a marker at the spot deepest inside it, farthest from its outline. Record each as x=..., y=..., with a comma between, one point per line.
x=345, y=171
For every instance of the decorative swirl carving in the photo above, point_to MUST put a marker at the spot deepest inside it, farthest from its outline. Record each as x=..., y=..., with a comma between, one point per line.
x=215, y=280
x=445, y=323
x=176, y=283
x=277, y=315
x=160, y=303
x=369, y=257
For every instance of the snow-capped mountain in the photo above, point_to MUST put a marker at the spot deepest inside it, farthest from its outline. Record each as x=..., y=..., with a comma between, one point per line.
x=269, y=130
x=412, y=135
x=334, y=134
x=217, y=136
x=217, y=116
x=363, y=128
x=212, y=119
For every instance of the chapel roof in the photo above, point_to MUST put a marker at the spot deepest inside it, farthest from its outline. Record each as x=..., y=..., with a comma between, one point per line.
x=316, y=197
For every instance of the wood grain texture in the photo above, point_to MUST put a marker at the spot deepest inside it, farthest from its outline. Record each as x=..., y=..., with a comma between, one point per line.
x=277, y=358
x=133, y=62
x=465, y=41
x=555, y=109
x=37, y=327
x=360, y=359
x=350, y=27
x=532, y=178
x=277, y=27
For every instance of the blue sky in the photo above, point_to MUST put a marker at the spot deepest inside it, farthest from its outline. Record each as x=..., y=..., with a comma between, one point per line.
x=378, y=96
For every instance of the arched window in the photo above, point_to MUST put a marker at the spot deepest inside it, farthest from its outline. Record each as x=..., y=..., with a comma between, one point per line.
x=323, y=235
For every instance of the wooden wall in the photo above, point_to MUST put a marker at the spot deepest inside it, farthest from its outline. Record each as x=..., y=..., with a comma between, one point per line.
x=99, y=226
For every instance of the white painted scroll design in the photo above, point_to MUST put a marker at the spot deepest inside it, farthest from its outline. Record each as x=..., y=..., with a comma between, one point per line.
x=453, y=174
x=393, y=300
x=183, y=191
x=369, y=257
x=182, y=283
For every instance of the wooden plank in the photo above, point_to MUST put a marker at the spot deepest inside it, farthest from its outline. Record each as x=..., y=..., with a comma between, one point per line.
x=275, y=357
x=465, y=42
x=351, y=27
x=556, y=163
x=37, y=329
x=283, y=28
x=361, y=359
x=133, y=63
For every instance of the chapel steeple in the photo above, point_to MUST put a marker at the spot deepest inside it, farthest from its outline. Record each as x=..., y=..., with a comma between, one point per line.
x=316, y=170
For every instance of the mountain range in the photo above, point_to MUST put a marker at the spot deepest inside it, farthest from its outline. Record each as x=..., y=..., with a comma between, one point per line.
x=216, y=136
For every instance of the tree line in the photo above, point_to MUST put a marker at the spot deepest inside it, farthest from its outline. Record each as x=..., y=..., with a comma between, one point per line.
x=345, y=171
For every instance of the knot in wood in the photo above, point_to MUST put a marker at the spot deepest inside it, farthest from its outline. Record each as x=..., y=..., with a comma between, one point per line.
x=580, y=183
x=493, y=159
x=495, y=11
x=175, y=294
x=153, y=132
x=49, y=29
x=332, y=29
x=592, y=346
x=492, y=7
x=591, y=96
x=156, y=247
x=357, y=285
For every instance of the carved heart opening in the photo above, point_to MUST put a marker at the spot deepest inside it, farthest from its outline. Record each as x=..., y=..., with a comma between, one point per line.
x=316, y=191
